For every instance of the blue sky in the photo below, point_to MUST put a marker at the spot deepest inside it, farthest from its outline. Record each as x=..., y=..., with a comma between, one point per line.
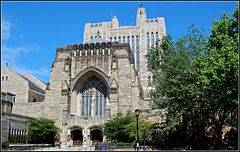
x=32, y=31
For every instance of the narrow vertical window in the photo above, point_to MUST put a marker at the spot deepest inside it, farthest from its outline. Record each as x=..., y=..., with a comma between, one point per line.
x=100, y=105
x=96, y=105
x=152, y=39
x=2, y=78
x=91, y=37
x=115, y=39
x=137, y=44
x=148, y=43
x=83, y=105
x=110, y=39
x=90, y=107
x=124, y=39
x=153, y=78
x=86, y=105
x=133, y=46
x=128, y=39
x=119, y=39
x=105, y=103
x=156, y=36
x=149, y=80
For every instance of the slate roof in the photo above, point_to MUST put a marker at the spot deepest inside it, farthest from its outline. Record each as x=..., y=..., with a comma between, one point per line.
x=33, y=84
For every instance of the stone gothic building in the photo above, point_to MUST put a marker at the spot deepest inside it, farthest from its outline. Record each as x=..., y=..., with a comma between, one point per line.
x=91, y=82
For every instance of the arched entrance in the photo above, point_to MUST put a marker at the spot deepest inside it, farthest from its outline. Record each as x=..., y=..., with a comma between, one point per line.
x=77, y=137
x=96, y=134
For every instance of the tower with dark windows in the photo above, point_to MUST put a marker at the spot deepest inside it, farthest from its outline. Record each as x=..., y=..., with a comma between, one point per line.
x=140, y=38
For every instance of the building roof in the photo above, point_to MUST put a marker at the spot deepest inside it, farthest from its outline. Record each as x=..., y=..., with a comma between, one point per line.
x=33, y=84
x=96, y=40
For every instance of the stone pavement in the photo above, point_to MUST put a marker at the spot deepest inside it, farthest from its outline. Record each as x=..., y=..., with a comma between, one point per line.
x=65, y=148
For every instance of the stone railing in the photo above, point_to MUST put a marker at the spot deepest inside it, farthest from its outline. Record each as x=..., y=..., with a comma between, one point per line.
x=85, y=119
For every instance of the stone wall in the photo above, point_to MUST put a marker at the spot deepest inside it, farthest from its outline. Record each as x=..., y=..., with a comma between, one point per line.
x=14, y=125
x=15, y=84
x=34, y=94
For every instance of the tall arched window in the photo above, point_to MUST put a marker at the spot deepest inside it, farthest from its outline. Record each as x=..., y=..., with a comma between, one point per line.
x=123, y=39
x=94, y=97
x=148, y=43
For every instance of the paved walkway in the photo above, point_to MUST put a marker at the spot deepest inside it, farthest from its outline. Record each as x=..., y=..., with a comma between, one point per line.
x=65, y=148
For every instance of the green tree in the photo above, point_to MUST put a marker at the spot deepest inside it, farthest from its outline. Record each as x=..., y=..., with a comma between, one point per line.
x=123, y=128
x=196, y=78
x=219, y=73
x=115, y=129
x=42, y=131
x=131, y=128
x=176, y=81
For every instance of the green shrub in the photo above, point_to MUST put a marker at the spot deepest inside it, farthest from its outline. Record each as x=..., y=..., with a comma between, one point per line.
x=7, y=143
x=124, y=144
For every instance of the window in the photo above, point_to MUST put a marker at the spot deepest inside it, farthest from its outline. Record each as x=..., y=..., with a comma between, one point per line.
x=156, y=36
x=110, y=39
x=91, y=89
x=149, y=80
x=6, y=78
x=83, y=100
x=137, y=44
x=90, y=107
x=100, y=105
x=115, y=39
x=96, y=105
x=119, y=39
x=152, y=38
x=2, y=78
x=34, y=100
x=128, y=38
x=133, y=46
x=124, y=39
x=153, y=78
x=148, y=43
x=100, y=36
x=91, y=37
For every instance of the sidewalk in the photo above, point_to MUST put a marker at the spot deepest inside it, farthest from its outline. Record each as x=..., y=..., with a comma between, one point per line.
x=65, y=148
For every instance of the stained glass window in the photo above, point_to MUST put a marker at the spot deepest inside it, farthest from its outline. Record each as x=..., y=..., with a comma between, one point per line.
x=94, y=91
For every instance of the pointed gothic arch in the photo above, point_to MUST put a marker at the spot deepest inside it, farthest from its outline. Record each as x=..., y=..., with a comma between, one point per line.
x=90, y=93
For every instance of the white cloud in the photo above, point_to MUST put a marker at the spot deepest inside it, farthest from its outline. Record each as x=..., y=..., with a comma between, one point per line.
x=38, y=73
x=5, y=31
x=9, y=54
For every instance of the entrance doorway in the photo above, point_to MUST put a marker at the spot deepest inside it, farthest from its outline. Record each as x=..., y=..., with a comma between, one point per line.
x=96, y=136
x=77, y=137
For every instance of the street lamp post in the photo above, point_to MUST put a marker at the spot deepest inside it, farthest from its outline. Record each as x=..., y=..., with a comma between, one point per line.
x=144, y=137
x=137, y=111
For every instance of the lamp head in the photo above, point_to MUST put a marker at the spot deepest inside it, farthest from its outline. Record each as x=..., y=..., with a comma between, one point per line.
x=137, y=112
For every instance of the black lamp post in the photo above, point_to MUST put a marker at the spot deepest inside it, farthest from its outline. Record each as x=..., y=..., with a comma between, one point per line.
x=137, y=111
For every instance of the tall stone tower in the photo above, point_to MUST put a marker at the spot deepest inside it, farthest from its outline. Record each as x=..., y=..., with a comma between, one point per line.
x=140, y=37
